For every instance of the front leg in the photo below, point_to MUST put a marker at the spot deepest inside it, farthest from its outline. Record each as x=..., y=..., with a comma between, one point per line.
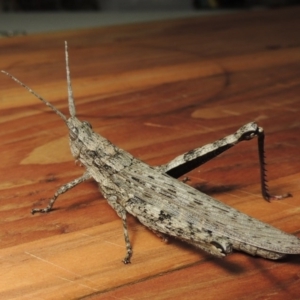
x=64, y=188
x=112, y=200
x=190, y=160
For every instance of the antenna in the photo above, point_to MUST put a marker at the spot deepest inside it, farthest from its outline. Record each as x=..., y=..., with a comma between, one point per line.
x=36, y=95
x=70, y=92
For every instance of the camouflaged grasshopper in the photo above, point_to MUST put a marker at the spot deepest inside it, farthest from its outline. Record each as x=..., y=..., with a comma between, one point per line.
x=164, y=204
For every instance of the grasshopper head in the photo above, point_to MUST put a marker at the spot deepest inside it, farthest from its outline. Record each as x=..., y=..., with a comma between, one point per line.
x=81, y=136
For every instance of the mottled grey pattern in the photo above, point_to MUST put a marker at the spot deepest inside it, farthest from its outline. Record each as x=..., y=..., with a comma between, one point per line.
x=162, y=203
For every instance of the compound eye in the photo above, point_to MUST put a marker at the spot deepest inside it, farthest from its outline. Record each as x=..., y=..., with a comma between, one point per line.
x=86, y=123
x=73, y=133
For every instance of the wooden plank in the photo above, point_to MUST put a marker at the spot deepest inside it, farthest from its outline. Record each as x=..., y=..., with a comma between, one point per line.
x=157, y=90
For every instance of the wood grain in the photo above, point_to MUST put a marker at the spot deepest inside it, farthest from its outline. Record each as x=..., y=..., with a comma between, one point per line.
x=157, y=90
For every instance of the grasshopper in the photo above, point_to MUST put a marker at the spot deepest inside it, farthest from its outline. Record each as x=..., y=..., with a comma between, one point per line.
x=160, y=201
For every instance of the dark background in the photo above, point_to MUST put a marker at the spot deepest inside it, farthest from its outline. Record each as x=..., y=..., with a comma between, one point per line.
x=38, y=5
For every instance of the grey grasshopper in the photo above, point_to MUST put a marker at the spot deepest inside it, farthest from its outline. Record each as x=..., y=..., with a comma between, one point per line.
x=164, y=204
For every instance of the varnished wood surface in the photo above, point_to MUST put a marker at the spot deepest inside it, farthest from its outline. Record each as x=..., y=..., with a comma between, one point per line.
x=157, y=90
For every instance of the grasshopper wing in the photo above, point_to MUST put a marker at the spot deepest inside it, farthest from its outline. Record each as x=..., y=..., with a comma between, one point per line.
x=171, y=207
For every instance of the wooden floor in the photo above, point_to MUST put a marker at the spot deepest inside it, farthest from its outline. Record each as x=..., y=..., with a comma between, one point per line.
x=157, y=90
